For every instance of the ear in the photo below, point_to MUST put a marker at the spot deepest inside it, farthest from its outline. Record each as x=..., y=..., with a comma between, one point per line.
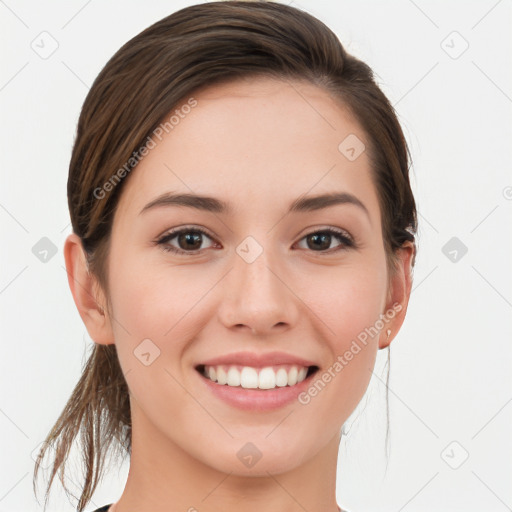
x=399, y=291
x=87, y=294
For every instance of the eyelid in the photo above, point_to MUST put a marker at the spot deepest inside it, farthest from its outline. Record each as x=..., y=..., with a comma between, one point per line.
x=328, y=228
x=186, y=227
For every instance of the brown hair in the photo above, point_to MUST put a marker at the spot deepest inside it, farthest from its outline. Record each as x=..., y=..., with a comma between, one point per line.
x=195, y=47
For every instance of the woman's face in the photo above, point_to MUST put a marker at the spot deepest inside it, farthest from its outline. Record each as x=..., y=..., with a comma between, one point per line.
x=266, y=286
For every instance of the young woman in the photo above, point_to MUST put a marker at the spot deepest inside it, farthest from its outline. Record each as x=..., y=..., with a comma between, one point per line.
x=242, y=246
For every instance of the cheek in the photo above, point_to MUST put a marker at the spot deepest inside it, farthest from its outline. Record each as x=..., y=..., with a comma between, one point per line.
x=156, y=312
x=349, y=305
x=348, y=299
x=161, y=303
x=152, y=300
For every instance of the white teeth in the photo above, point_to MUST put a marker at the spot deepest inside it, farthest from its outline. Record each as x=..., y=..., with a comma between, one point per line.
x=222, y=377
x=248, y=378
x=281, y=378
x=267, y=378
x=252, y=378
x=233, y=377
x=292, y=376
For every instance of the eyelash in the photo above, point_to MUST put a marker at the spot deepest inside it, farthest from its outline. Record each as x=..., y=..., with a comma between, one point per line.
x=346, y=241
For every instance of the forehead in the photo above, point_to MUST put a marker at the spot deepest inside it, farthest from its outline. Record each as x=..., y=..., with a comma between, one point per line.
x=253, y=143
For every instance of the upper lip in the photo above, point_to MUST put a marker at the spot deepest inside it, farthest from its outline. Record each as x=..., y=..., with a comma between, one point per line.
x=257, y=360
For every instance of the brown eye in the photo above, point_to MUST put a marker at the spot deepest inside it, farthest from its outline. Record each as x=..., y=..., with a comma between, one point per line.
x=189, y=240
x=320, y=241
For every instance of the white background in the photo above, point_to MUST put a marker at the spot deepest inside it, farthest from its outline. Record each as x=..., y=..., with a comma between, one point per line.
x=451, y=362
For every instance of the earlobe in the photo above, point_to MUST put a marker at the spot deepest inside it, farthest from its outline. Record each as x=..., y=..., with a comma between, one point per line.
x=399, y=292
x=87, y=295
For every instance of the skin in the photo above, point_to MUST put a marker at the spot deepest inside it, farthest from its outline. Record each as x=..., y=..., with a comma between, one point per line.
x=259, y=145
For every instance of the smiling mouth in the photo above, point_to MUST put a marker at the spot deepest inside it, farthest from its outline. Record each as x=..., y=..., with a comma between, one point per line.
x=247, y=377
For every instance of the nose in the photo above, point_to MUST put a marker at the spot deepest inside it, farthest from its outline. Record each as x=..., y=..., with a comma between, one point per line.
x=258, y=296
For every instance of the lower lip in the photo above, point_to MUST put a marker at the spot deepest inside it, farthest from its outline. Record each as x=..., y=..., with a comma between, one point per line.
x=256, y=399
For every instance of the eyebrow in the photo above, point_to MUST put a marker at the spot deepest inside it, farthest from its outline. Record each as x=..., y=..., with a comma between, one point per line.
x=211, y=204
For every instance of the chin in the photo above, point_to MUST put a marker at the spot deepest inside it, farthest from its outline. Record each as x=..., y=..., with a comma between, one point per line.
x=257, y=456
